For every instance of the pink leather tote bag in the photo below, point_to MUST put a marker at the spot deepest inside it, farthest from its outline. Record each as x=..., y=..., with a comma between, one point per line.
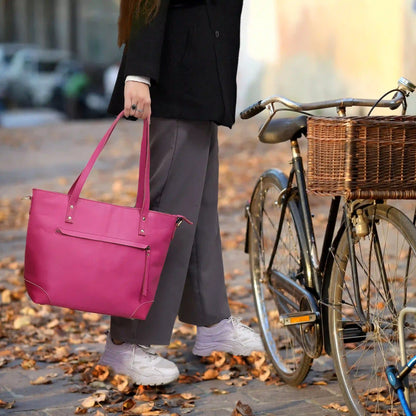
x=94, y=256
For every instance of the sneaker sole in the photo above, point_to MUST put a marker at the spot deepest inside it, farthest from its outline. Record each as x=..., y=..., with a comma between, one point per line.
x=204, y=352
x=145, y=381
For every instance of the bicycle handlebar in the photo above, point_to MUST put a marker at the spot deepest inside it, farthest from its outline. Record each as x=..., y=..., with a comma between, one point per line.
x=405, y=86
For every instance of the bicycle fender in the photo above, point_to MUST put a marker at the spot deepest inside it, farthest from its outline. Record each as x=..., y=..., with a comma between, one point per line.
x=325, y=289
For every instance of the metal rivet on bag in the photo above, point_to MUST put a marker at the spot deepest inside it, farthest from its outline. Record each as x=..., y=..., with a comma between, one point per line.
x=72, y=207
x=144, y=218
x=142, y=231
x=70, y=218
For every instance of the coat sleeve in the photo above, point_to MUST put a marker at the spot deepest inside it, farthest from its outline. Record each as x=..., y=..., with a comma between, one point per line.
x=144, y=48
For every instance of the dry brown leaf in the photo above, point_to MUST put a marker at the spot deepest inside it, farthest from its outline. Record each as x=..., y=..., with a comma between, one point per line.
x=142, y=408
x=189, y=379
x=98, y=397
x=101, y=372
x=225, y=375
x=41, y=380
x=128, y=404
x=186, y=329
x=320, y=383
x=21, y=321
x=145, y=397
x=6, y=296
x=220, y=392
x=210, y=374
x=15, y=265
x=6, y=405
x=176, y=344
x=93, y=317
x=122, y=383
x=264, y=374
x=88, y=402
x=257, y=358
x=242, y=409
x=336, y=406
x=189, y=396
x=61, y=352
x=28, y=364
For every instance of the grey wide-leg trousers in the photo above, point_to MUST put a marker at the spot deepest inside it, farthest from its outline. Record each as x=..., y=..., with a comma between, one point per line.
x=183, y=180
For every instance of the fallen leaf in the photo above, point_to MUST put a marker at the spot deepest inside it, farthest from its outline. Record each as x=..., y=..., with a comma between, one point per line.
x=210, y=374
x=123, y=383
x=189, y=396
x=220, y=392
x=336, y=406
x=242, y=409
x=6, y=296
x=141, y=408
x=101, y=372
x=320, y=383
x=21, y=321
x=41, y=380
x=28, y=364
x=6, y=405
x=128, y=404
x=88, y=402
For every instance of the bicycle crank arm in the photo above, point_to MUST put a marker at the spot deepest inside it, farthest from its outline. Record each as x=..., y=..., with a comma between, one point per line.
x=283, y=284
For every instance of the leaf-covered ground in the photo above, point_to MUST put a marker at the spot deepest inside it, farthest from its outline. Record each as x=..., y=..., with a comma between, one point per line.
x=32, y=335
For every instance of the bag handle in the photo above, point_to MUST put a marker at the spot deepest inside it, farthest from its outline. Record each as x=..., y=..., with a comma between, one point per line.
x=143, y=189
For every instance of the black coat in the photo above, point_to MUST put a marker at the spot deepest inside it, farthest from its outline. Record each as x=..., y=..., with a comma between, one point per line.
x=191, y=55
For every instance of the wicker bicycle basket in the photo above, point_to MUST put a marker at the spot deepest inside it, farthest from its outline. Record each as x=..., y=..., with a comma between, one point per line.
x=362, y=157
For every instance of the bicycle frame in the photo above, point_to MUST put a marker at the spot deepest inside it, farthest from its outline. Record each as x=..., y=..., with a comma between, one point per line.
x=315, y=271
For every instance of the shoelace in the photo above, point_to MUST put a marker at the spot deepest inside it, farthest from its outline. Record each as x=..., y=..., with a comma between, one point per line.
x=150, y=352
x=237, y=322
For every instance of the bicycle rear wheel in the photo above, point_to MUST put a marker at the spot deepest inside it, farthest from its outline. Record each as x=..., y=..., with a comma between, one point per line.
x=363, y=346
x=282, y=343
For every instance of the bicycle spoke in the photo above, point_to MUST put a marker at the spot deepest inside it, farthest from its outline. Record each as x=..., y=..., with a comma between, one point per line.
x=362, y=350
x=282, y=343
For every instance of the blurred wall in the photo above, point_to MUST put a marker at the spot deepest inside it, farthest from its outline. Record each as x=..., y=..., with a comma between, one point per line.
x=328, y=49
x=87, y=28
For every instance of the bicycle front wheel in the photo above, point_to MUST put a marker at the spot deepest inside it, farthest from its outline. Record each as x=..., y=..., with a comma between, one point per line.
x=282, y=343
x=363, y=315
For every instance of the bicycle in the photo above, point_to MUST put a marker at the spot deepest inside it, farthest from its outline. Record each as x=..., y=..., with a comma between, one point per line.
x=345, y=302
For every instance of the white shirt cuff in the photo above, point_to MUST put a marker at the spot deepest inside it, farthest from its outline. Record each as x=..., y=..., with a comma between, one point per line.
x=145, y=80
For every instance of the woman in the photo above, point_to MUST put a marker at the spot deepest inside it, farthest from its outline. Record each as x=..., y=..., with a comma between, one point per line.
x=179, y=65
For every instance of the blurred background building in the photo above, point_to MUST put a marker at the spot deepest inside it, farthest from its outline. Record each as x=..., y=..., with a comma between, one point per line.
x=306, y=50
x=312, y=50
x=85, y=28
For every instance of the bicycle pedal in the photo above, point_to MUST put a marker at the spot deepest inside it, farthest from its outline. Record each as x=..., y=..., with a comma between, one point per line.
x=296, y=318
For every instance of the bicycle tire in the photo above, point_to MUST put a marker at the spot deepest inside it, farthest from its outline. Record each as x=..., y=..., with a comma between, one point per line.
x=361, y=353
x=289, y=359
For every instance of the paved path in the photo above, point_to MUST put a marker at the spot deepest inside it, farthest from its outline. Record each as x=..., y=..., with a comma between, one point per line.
x=46, y=157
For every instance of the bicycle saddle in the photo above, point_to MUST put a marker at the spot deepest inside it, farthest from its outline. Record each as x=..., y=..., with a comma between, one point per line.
x=282, y=129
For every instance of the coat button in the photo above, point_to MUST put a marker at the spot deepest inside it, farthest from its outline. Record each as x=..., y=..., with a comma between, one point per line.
x=217, y=34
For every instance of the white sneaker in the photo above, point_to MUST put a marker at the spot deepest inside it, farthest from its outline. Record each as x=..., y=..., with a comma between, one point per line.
x=140, y=363
x=229, y=335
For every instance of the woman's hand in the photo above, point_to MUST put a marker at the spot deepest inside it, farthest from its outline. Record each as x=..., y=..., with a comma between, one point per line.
x=137, y=100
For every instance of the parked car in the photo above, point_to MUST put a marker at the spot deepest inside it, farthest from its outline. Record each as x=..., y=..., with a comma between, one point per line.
x=7, y=52
x=32, y=76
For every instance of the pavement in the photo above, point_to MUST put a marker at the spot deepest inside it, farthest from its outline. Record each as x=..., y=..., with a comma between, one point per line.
x=50, y=157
